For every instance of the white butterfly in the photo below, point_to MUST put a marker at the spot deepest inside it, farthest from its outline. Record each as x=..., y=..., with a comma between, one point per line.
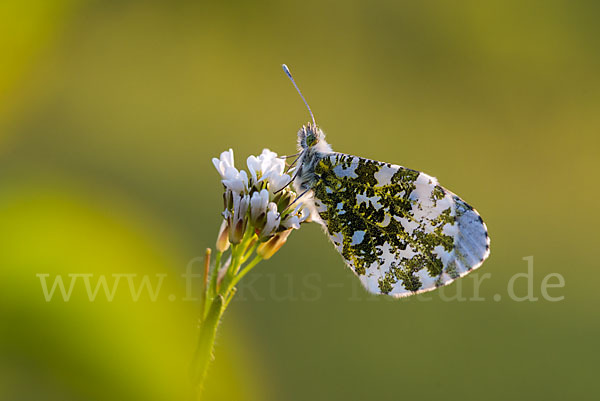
x=398, y=230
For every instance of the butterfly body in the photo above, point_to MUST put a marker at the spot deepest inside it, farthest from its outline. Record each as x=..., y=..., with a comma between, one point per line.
x=397, y=229
x=313, y=148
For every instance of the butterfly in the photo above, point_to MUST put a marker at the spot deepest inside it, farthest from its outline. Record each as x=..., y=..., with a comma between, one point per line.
x=397, y=229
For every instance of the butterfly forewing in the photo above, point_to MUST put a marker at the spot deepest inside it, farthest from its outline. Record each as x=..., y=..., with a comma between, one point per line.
x=398, y=229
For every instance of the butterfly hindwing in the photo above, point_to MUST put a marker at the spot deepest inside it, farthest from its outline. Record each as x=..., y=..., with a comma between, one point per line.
x=398, y=229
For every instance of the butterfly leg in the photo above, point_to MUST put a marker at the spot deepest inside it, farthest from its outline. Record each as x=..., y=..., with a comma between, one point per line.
x=295, y=200
x=291, y=180
x=293, y=163
x=288, y=156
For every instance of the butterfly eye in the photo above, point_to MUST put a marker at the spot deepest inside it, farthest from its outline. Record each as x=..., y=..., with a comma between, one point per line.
x=310, y=140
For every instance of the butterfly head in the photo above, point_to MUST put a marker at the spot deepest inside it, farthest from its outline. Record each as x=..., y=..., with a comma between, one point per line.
x=311, y=136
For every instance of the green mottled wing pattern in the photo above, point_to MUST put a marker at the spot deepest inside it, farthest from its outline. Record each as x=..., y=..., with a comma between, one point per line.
x=397, y=229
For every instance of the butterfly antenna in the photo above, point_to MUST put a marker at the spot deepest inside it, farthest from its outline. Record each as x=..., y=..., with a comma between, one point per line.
x=289, y=74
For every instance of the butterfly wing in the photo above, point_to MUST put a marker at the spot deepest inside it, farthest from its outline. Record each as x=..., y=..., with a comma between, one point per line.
x=397, y=229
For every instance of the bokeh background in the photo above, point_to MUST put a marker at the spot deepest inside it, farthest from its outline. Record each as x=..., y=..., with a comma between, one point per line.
x=109, y=115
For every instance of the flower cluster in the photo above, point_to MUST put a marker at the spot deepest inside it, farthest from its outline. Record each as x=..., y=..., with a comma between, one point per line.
x=259, y=203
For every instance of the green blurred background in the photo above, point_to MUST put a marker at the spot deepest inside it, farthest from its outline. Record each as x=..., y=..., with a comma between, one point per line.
x=111, y=110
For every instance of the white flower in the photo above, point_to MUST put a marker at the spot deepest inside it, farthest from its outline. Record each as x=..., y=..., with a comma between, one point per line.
x=236, y=181
x=291, y=221
x=273, y=220
x=251, y=199
x=271, y=163
x=258, y=205
x=225, y=161
x=265, y=165
x=301, y=211
x=254, y=166
x=299, y=215
x=278, y=182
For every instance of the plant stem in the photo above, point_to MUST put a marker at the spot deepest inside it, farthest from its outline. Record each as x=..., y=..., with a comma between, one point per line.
x=245, y=270
x=206, y=342
x=216, y=297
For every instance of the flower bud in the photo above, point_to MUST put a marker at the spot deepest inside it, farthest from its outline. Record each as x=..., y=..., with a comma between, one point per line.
x=237, y=232
x=260, y=222
x=268, y=249
x=284, y=201
x=228, y=199
x=223, y=237
x=239, y=220
x=277, y=197
x=258, y=205
x=272, y=223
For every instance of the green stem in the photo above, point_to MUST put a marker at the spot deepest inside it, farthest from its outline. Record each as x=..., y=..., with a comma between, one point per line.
x=245, y=270
x=217, y=298
x=211, y=290
x=206, y=342
x=239, y=254
x=249, y=252
x=229, y=297
x=205, y=289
